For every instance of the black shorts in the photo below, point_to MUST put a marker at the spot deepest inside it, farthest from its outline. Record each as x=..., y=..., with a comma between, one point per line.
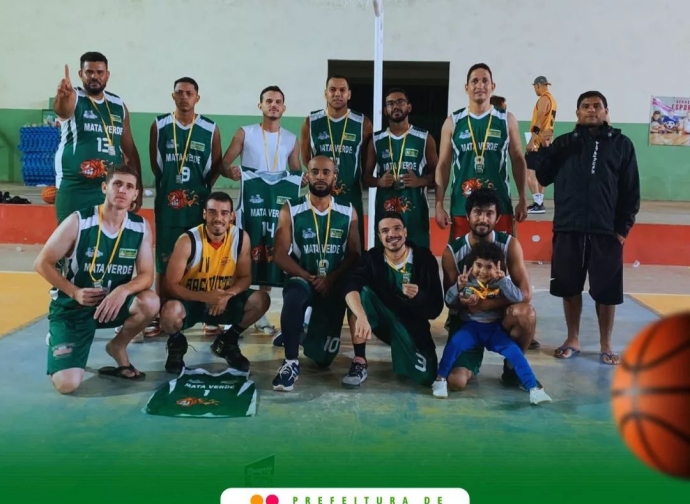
x=577, y=254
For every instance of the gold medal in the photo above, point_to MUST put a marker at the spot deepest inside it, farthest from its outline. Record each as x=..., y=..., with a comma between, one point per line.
x=479, y=164
x=323, y=263
x=398, y=183
x=323, y=268
x=407, y=276
x=111, y=150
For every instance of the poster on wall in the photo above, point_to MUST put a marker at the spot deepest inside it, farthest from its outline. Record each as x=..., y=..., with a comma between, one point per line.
x=669, y=121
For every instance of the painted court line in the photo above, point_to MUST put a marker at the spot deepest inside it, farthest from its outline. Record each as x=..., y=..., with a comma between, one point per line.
x=23, y=302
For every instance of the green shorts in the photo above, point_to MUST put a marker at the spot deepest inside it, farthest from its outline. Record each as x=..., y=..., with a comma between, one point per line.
x=322, y=342
x=471, y=359
x=196, y=312
x=72, y=332
x=418, y=364
x=166, y=237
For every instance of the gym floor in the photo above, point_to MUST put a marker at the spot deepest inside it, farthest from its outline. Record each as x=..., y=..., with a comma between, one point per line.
x=100, y=435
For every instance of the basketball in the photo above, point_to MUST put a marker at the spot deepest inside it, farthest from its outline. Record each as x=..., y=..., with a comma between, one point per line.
x=651, y=396
x=48, y=195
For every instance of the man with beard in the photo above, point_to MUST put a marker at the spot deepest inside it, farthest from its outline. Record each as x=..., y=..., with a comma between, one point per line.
x=482, y=210
x=393, y=293
x=207, y=280
x=101, y=247
x=342, y=135
x=185, y=154
x=477, y=140
x=317, y=243
x=265, y=147
x=95, y=136
x=406, y=159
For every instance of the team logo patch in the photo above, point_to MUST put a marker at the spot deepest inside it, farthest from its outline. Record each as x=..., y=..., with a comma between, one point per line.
x=411, y=152
x=116, y=118
x=308, y=234
x=181, y=198
x=197, y=146
x=464, y=135
x=89, y=114
x=336, y=233
x=256, y=199
x=495, y=133
x=90, y=252
x=127, y=253
x=350, y=137
x=170, y=144
x=282, y=199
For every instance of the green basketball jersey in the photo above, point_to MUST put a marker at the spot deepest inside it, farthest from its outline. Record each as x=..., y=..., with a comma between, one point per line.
x=84, y=152
x=183, y=184
x=199, y=393
x=461, y=247
x=410, y=202
x=490, y=128
x=308, y=247
x=82, y=270
x=262, y=195
x=343, y=144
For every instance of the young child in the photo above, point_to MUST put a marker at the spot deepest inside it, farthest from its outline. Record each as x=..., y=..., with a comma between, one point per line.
x=485, y=280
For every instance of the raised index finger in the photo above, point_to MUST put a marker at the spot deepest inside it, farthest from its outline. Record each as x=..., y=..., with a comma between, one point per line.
x=67, y=72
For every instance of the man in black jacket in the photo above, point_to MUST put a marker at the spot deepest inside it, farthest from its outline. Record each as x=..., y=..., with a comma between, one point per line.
x=596, y=200
x=394, y=292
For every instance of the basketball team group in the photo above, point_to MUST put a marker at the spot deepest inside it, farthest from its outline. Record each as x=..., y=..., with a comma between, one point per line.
x=298, y=225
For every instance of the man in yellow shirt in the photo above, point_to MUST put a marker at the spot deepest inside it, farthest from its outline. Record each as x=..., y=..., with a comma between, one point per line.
x=541, y=128
x=207, y=280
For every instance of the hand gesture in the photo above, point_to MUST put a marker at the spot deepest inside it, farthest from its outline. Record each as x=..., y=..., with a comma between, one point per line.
x=218, y=308
x=472, y=300
x=410, y=290
x=110, y=306
x=442, y=218
x=65, y=88
x=411, y=179
x=322, y=285
x=463, y=279
x=216, y=296
x=362, y=329
x=498, y=272
x=89, y=296
x=386, y=181
x=235, y=172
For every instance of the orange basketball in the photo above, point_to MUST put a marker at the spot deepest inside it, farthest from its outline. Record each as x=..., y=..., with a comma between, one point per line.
x=48, y=195
x=651, y=395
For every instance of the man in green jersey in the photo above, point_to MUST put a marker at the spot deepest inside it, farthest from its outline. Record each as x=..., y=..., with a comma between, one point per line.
x=405, y=160
x=185, y=153
x=100, y=247
x=267, y=151
x=95, y=135
x=476, y=141
x=317, y=242
x=342, y=135
x=519, y=320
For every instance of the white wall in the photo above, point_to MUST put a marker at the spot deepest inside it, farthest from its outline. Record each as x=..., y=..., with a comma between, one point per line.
x=236, y=47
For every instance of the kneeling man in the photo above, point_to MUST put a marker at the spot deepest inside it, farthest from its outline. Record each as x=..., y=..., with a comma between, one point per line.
x=99, y=248
x=207, y=280
x=393, y=293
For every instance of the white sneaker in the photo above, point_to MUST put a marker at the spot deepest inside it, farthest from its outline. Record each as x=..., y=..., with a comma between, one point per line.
x=264, y=326
x=440, y=388
x=538, y=395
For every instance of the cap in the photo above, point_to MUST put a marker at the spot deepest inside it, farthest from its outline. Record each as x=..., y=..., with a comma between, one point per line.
x=541, y=80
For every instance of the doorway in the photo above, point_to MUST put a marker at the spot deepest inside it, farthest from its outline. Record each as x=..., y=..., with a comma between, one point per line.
x=426, y=84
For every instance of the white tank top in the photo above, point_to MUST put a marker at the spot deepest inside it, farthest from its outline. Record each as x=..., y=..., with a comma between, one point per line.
x=262, y=157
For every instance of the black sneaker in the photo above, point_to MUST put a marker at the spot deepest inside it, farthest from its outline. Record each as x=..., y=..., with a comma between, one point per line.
x=177, y=347
x=231, y=353
x=535, y=208
x=356, y=375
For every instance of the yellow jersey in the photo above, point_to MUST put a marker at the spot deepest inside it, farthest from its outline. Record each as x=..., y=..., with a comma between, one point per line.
x=549, y=120
x=212, y=266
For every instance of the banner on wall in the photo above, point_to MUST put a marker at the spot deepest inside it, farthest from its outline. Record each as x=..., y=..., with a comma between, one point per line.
x=669, y=121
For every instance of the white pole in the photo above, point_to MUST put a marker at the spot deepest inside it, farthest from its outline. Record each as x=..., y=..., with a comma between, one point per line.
x=378, y=104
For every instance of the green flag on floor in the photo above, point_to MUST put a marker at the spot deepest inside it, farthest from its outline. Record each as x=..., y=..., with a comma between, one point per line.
x=202, y=394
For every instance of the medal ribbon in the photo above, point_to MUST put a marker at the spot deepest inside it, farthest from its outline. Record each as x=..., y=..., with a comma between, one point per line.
x=322, y=251
x=98, y=242
x=186, y=147
x=342, y=137
x=112, y=121
x=275, y=158
x=397, y=166
x=486, y=135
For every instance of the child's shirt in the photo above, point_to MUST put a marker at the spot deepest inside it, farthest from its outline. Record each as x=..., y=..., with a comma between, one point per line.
x=503, y=288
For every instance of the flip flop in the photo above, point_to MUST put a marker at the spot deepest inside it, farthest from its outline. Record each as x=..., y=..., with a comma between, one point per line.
x=611, y=358
x=559, y=353
x=117, y=372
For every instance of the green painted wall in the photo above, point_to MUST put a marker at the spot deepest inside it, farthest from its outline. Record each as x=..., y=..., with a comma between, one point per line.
x=664, y=171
